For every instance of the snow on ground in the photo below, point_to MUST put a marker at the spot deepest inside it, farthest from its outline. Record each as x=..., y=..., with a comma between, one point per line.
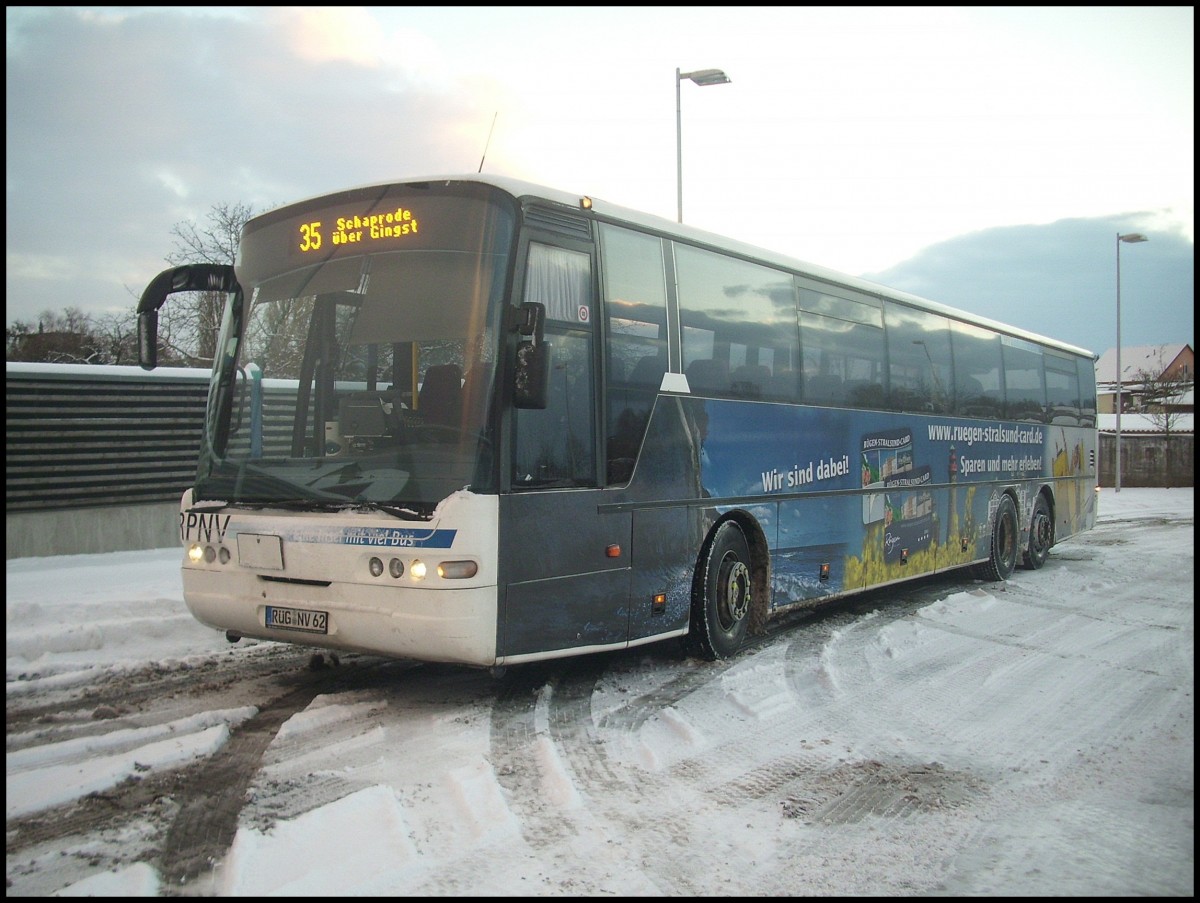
x=983, y=669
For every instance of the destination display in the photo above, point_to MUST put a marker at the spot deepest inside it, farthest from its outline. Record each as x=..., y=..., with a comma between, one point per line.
x=317, y=235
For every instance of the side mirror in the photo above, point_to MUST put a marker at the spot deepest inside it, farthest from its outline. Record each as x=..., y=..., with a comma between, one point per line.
x=532, y=379
x=199, y=277
x=531, y=384
x=147, y=321
x=531, y=320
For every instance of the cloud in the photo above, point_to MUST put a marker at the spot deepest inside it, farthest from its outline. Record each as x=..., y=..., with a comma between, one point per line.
x=844, y=146
x=1059, y=279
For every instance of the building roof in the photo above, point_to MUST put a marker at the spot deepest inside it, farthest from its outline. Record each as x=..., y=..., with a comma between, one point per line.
x=1136, y=359
x=1144, y=423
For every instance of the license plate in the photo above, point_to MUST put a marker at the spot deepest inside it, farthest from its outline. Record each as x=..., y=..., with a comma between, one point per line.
x=259, y=551
x=302, y=619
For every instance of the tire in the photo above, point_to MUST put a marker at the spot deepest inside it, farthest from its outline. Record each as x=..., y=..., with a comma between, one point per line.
x=1005, y=544
x=1041, y=535
x=721, y=594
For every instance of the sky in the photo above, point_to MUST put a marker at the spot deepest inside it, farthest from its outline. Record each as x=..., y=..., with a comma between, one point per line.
x=1052, y=716
x=982, y=157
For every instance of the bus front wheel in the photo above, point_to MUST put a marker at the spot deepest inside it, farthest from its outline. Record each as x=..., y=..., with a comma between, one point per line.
x=1003, y=548
x=721, y=594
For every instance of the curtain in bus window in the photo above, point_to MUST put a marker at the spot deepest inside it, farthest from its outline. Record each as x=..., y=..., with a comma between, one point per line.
x=561, y=280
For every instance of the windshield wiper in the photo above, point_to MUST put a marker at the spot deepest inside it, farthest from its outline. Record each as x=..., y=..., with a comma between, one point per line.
x=543, y=483
x=419, y=512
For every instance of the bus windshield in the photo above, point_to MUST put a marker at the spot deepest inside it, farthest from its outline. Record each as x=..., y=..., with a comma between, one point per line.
x=358, y=369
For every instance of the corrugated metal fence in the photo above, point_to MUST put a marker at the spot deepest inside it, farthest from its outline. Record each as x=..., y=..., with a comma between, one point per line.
x=97, y=457
x=79, y=436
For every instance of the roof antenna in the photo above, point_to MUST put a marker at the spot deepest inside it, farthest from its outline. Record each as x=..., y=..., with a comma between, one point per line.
x=489, y=140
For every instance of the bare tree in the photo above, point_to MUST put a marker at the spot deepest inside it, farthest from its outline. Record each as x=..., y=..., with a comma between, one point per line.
x=1160, y=394
x=73, y=337
x=116, y=337
x=189, y=330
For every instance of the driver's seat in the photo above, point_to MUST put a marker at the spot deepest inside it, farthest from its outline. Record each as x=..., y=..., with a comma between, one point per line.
x=439, y=400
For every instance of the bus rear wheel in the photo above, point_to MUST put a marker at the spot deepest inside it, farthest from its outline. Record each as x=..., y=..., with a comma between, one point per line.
x=1003, y=549
x=721, y=594
x=1041, y=535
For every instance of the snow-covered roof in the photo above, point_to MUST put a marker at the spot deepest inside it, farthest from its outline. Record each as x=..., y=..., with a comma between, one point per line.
x=1144, y=423
x=1136, y=359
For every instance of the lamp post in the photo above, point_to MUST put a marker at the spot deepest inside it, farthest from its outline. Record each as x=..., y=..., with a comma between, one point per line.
x=703, y=78
x=1131, y=238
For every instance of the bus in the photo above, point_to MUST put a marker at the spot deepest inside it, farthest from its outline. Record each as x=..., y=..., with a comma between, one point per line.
x=473, y=420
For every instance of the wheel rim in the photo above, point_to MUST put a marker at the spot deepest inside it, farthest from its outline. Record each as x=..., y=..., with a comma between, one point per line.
x=1043, y=529
x=734, y=601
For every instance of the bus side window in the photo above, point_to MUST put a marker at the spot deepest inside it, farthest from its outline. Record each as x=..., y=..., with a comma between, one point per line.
x=971, y=400
x=636, y=396
x=708, y=377
x=826, y=390
x=978, y=371
x=648, y=373
x=750, y=381
x=635, y=329
x=862, y=393
x=783, y=386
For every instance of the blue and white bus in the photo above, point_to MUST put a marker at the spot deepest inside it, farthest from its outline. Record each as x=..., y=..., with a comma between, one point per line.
x=468, y=419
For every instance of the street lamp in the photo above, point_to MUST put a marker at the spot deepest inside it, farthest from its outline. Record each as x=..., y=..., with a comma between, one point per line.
x=703, y=78
x=1131, y=238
